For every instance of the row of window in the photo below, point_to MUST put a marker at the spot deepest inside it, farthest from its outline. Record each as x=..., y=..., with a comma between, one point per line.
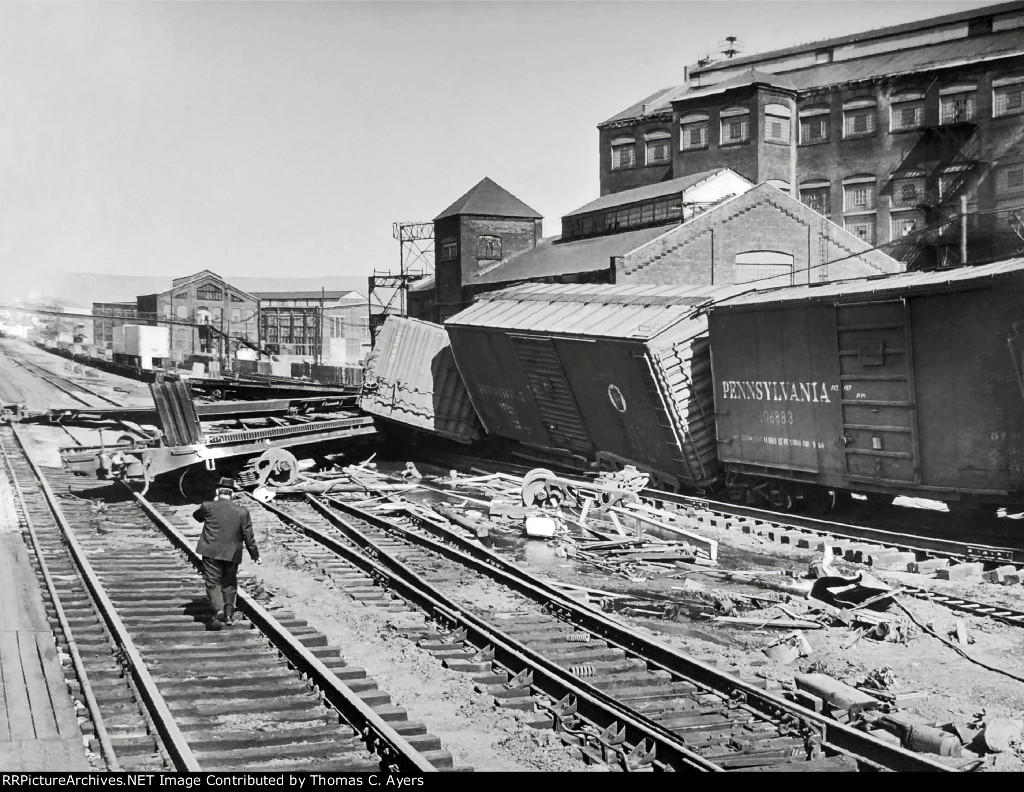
x=664, y=210
x=908, y=190
x=957, y=104
x=215, y=313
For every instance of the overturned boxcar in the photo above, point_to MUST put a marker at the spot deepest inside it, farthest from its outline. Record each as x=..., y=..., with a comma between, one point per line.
x=411, y=378
x=613, y=375
x=904, y=385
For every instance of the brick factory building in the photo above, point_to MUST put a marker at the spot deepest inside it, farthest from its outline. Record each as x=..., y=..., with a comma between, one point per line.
x=213, y=317
x=105, y=317
x=887, y=132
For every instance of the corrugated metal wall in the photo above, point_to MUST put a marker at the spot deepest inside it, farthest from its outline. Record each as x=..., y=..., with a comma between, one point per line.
x=411, y=378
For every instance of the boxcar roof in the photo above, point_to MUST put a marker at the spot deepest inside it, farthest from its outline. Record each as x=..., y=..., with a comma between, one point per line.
x=943, y=280
x=633, y=312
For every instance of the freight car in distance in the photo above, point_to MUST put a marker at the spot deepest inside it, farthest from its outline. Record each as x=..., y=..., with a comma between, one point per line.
x=908, y=385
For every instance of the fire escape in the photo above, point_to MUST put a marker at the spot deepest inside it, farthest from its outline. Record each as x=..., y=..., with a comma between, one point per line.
x=948, y=159
x=944, y=159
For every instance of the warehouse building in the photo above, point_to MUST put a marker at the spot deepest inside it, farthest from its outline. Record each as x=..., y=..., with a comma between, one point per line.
x=891, y=133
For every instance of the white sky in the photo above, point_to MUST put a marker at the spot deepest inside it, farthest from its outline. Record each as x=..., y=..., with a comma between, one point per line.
x=265, y=139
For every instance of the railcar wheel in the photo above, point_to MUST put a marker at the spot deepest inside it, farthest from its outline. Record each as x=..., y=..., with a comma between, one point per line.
x=277, y=467
x=196, y=482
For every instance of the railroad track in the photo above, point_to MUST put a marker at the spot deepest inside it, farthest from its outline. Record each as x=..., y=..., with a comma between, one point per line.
x=609, y=691
x=163, y=691
x=61, y=383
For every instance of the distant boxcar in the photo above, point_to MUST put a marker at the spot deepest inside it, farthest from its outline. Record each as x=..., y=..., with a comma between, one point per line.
x=905, y=385
x=411, y=378
x=609, y=374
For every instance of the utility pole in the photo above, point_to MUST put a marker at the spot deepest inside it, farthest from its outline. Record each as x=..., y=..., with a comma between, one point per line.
x=963, y=230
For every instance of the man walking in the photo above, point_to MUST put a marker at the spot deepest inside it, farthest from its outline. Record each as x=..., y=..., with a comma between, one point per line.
x=226, y=526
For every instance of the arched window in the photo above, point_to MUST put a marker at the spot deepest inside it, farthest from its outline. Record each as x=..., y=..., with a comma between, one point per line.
x=236, y=315
x=764, y=268
x=209, y=292
x=778, y=124
x=859, y=117
x=657, y=147
x=693, y=131
x=623, y=153
x=1008, y=95
x=957, y=103
x=908, y=189
x=906, y=111
x=735, y=125
x=814, y=124
x=181, y=311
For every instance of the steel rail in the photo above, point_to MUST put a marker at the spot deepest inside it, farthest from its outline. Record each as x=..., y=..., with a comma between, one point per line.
x=592, y=703
x=174, y=741
x=102, y=737
x=835, y=734
x=381, y=737
x=943, y=547
x=49, y=376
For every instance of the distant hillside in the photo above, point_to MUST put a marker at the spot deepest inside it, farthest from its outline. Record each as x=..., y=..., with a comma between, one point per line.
x=82, y=289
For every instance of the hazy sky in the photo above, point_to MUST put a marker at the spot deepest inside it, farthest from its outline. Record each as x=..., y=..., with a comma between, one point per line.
x=260, y=138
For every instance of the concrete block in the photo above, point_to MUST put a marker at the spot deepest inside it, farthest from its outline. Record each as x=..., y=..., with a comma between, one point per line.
x=791, y=538
x=928, y=566
x=838, y=548
x=960, y=571
x=890, y=560
x=1007, y=575
x=855, y=552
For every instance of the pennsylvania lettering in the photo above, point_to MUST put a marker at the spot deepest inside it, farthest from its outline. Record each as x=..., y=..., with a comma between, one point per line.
x=775, y=390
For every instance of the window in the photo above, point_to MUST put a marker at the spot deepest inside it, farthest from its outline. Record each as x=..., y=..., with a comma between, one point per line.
x=735, y=123
x=777, y=124
x=814, y=127
x=907, y=112
x=623, y=153
x=1010, y=178
x=1008, y=95
x=208, y=292
x=908, y=190
x=956, y=104
x=449, y=249
x=815, y=194
x=693, y=131
x=859, y=118
x=181, y=311
x=658, y=147
x=488, y=247
x=167, y=311
x=903, y=225
x=236, y=298
x=862, y=228
x=764, y=268
x=859, y=194
x=236, y=315
x=181, y=295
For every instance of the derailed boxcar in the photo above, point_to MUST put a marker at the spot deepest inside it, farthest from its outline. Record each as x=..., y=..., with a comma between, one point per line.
x=904, y=385
x=610, y=374
x=411, y=378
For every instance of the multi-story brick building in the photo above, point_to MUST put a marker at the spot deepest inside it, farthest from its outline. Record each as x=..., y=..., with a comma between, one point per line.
x=209, y=318
x=891, y=133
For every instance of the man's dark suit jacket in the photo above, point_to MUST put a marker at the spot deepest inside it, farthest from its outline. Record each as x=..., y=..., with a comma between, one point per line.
x=225, y=527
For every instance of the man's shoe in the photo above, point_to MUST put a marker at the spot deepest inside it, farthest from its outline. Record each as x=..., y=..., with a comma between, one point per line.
x=216, y=625
x=219, y=616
